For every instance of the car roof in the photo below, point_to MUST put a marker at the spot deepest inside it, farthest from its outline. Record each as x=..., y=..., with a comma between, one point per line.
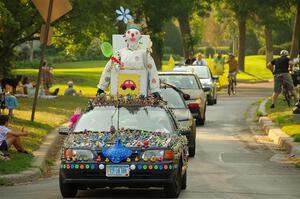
x=176, y=73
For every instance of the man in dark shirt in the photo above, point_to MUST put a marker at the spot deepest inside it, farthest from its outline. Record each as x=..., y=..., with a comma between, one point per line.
x=190, y=60
x=282, y=66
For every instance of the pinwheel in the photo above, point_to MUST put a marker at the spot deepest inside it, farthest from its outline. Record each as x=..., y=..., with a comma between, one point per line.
x=124, y=15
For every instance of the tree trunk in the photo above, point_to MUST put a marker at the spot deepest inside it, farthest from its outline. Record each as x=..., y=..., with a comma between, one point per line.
x=6, y=57
x=269, y=43
x=296, y=33
x=31, y=51
x=157, y=51
x=186, y=35
x=242, y=42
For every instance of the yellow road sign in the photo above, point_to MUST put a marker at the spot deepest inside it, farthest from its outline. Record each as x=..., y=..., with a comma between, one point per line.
x=60, y=8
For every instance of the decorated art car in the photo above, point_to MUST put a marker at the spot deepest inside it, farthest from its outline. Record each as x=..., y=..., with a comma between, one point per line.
x=124, y=142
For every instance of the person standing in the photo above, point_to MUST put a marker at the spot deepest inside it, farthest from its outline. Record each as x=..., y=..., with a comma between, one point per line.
x=200, y=61
x=47, y=76
x=282, y=66
x=219, y=62
x=11, y=103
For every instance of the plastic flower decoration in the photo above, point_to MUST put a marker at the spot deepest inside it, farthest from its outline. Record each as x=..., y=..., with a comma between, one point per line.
x=124, y=15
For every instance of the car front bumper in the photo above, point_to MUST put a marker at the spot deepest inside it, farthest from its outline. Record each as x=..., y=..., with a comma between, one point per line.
x=137, y=178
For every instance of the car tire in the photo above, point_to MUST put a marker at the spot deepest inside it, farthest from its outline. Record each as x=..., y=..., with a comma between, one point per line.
x=210, y=100
x=215, y=100
x=184, y=181
x=67, y=190
x=192, y=141
x=173, y=189
x=124, y=87
x=200, y=121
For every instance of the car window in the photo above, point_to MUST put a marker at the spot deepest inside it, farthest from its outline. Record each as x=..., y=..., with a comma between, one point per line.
x=201, y=72
x=181, y=81
x=141, y=118
x=173, y=98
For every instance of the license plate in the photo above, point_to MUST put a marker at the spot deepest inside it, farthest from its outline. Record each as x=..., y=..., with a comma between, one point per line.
x=117, y=170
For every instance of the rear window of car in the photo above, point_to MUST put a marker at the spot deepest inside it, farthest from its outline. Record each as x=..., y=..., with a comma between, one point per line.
x=201, y=71
x=173, y=98
x=181, y=81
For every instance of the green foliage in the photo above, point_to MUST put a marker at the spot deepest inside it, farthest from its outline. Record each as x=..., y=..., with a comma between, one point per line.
x=172, y=33
x=252, y=44
x=276, y=48
x=209, y=51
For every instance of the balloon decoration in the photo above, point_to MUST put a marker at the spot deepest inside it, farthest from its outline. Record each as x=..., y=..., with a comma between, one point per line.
x=106, y=49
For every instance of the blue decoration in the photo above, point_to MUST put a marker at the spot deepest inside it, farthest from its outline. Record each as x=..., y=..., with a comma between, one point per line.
x=124, y=15
x=140, y=167
x=161, y=167
x=117, y=153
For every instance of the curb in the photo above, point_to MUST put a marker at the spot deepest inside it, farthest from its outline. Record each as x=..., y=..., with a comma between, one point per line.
x=278, y=137
x=39, y=162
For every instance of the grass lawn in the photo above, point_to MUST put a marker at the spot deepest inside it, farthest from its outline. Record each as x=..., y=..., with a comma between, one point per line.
x=282, y=115
x=50, y=114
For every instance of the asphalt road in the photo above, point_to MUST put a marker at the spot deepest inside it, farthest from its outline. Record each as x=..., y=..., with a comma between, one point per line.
x=229, y=163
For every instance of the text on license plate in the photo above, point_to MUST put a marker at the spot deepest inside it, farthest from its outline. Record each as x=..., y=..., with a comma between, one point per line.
x=117, y=170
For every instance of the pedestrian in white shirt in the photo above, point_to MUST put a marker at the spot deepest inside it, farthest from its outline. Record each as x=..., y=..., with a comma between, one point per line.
x=200, y=61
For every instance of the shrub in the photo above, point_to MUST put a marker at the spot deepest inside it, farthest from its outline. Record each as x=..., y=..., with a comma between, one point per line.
x=28, y=64
x=276, y=48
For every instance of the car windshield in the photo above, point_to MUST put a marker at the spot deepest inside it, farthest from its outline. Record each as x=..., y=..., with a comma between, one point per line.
x=141, y=118
x=201, y=71
x=172, y=97
x=181, y=81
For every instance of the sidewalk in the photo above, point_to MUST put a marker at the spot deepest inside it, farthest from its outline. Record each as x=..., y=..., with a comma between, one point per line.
x=39, y=164
x=276, y=134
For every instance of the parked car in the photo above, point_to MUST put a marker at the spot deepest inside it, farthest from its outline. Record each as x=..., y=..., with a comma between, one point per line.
x=190, y=84
x=176, y=102
x=207, y=80
x=146, y=150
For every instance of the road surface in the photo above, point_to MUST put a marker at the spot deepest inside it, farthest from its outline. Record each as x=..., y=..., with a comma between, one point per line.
x=229, y=163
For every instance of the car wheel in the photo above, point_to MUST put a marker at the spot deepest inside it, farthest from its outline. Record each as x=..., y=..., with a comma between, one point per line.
x=132, y=88
x=210, y=100
x=124, y=87
x=173, y=190
x=67, y=190
x=184, y=181
x=201, y=120
x=192, y=142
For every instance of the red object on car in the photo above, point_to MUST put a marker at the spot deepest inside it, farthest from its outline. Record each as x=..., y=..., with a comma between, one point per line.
x=128, y=84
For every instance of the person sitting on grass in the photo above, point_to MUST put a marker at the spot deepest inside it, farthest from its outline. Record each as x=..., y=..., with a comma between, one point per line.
x=71, y=91
x=9, y=137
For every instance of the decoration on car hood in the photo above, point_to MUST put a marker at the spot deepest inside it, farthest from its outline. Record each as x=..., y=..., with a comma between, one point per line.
x=128, y=100
x=130, y=138
x=117, y=153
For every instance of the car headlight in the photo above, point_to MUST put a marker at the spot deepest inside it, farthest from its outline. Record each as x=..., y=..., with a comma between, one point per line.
x=157, y=155
x=185, y=124
x=78, y=154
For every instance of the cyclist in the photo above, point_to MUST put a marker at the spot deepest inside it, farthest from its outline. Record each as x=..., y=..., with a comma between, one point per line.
x=282, y=66
x=219, y=62
x=233, y=67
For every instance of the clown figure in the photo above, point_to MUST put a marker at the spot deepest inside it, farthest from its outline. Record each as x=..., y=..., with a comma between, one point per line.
x=132, y=57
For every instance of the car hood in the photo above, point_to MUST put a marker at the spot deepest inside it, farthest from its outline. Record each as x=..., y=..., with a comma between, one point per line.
x=182, y=114
x=194, y=93
x=128, y=138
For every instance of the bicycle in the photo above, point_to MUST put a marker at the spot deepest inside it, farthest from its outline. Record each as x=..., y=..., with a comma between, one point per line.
x=285, y=90
x=232, y=83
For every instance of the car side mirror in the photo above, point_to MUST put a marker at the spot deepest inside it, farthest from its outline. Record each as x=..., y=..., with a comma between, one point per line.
x=215, y=77
x=186, y=96
x=64, y=130
x=206, y=89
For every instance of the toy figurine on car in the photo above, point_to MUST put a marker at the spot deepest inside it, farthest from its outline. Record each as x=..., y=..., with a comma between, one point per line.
x=130, y=67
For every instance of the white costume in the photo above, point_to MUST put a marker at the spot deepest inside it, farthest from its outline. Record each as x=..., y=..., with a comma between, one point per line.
x=133, y=57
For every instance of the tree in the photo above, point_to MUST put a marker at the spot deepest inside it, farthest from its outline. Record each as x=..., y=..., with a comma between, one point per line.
x=19, y=23
x=183, y=10
x=296, y=32
x=241, y=10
